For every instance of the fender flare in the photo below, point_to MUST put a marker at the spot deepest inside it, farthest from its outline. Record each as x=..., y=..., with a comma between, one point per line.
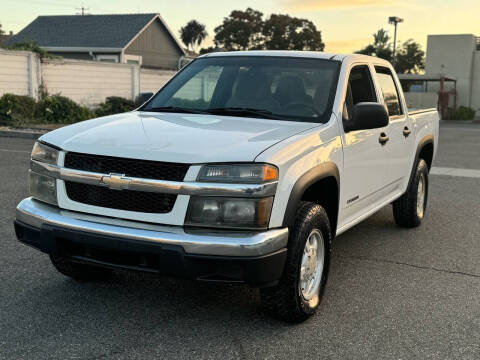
x=315, y=174
x=427, y=139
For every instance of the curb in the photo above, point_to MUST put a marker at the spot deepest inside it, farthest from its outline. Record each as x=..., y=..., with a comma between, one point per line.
x=21, y=134
x=460, y=122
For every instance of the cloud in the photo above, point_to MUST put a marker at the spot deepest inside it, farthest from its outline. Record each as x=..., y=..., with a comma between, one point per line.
x=312, y=5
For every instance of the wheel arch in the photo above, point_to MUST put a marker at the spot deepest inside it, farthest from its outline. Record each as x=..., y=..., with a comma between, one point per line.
x=311, y=186
x=425, y=151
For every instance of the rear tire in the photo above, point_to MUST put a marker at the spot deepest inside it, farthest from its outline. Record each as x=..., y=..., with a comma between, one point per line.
x=80, y=272
x=409, y=210
x=301, y=287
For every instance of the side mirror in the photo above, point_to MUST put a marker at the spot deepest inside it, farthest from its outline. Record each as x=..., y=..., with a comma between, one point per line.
x=367, y=115
x=142, y=98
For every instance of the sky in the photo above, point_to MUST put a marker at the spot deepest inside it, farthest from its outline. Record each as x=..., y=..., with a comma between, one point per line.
x=346, y=25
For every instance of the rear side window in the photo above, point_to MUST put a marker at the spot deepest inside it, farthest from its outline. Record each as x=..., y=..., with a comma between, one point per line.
x=389, y=90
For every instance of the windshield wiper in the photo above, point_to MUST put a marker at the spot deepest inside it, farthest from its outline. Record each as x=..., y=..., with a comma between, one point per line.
x=176, y=109
x=237, y=111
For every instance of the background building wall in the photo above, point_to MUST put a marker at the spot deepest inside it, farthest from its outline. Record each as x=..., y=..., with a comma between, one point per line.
x=453, y=55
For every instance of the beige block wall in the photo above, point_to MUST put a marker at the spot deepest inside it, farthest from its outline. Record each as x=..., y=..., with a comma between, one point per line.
x=153, y=80
x=85, y=82
x=89, y=83
x=19, y=73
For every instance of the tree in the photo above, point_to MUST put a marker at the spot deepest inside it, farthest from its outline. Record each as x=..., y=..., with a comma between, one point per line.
x=1, y=30
x=380, y=47
x=241, y=30
x=410, y=58
x=282, y=32
x=193, y=34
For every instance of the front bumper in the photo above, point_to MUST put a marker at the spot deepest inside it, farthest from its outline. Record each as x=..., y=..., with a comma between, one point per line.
x=256, y=258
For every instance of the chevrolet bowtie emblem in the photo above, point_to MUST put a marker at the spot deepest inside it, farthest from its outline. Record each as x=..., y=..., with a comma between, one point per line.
x=116, y=181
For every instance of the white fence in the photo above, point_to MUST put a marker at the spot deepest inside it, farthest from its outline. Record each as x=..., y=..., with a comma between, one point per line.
x=421, y=100
x=86, y=82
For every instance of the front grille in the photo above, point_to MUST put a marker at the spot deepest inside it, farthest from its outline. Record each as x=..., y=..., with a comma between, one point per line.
x=129, y=200
x=129, y=167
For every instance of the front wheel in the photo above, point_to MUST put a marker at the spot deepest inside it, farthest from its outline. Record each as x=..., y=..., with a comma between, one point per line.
x=301, y=287
x=409, y=209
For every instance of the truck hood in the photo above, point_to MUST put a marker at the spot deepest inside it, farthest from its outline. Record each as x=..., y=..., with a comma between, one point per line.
x=183, y=138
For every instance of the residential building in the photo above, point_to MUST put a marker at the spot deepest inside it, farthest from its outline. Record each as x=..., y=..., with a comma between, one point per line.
x=144, y=39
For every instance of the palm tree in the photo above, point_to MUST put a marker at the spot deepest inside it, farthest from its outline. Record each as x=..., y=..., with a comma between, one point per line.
x=193, y=34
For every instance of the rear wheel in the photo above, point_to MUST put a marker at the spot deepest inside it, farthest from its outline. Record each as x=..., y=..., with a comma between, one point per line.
x=80, y=272
x=409, y=210
x=301, y=287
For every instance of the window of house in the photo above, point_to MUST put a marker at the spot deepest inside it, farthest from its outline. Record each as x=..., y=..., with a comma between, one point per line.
x=107, y=58
x=389, y=91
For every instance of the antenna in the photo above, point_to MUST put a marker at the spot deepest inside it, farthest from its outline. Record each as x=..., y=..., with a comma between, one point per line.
x=82, y=9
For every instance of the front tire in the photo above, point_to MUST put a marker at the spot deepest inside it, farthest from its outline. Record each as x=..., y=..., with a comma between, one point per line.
x=80, y=272
x=409, y=209
x=301, y=287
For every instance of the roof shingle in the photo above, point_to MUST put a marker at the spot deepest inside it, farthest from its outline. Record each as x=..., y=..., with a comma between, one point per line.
x=99, y=31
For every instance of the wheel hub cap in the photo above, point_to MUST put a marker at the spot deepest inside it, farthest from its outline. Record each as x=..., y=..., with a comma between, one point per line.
x=312, y=265
x=421, y=196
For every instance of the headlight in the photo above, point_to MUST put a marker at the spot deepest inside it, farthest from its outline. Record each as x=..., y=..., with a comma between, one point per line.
x=44, y=153
x=238, y=173
x=231, y=213
x=43, y=188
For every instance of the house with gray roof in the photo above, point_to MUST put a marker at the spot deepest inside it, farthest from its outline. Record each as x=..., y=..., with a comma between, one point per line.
x=144, y=39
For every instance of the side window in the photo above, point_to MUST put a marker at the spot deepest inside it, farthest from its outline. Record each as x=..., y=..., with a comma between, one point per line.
x=360, y=89
x=389, y=90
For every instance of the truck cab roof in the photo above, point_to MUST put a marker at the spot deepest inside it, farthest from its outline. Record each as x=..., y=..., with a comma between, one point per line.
x=301, y=54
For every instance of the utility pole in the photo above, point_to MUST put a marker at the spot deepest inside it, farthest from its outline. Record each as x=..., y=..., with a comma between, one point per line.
x=394, y=20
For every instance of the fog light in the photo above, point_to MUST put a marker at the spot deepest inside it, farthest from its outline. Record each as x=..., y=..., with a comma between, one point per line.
x=43, y=188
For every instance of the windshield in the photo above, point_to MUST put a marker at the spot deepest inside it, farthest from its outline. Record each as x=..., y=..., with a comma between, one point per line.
x=286, y=88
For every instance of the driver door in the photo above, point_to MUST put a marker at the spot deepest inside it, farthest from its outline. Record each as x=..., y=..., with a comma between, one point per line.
x=365, y=158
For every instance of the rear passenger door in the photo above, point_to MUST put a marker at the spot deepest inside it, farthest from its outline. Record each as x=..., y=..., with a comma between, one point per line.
x=398, y=130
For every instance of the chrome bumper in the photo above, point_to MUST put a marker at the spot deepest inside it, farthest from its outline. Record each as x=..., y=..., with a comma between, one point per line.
x=201, y=242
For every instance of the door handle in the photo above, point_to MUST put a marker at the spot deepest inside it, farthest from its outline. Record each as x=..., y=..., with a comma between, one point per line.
x=383, y=138
x=406, y=131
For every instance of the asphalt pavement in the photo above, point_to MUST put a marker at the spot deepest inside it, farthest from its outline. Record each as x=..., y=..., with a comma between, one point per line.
x=392, y=293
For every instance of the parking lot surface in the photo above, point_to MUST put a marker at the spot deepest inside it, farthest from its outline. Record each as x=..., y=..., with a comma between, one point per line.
x=392, y=292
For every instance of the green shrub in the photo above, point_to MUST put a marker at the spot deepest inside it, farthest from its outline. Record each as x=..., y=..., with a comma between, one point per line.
x=114, y=105
x=464, y=113
x=17, y=109
x=59, y=109
x=29, y=45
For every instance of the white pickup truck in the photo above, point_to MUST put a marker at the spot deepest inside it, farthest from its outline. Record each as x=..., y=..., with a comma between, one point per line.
x=242, y=168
